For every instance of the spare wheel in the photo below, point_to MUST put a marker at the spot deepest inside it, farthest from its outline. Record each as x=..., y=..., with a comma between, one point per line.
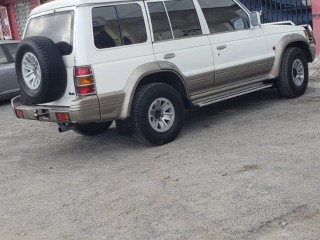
x=41, y=72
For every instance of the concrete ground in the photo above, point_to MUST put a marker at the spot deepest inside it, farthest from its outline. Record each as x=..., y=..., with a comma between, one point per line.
x=247, y=168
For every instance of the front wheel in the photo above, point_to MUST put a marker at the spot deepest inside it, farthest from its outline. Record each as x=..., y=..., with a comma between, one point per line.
x=294, y=75
x=91, y=129
x=157, y=113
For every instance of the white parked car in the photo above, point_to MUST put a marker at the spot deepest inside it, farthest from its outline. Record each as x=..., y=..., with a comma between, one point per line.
x=86, y=63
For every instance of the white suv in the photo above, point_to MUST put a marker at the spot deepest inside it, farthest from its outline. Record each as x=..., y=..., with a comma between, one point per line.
x=86, y=63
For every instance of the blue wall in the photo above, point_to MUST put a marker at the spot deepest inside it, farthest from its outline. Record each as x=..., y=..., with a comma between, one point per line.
x=282, y=10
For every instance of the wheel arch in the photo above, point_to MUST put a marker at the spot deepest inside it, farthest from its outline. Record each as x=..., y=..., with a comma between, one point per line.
x=291, y=40
x=160, y=72
x=303, y=46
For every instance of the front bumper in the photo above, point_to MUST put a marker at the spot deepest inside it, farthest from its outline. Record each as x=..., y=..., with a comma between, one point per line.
x=83, y=110
x=312, y=49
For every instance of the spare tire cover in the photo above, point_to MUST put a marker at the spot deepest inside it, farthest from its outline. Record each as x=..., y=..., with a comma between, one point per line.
x=40, y=70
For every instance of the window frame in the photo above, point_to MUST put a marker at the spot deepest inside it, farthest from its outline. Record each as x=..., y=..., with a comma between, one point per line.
x=150, y=20
x=199, y=14
x=8, y=57
x=7, y=52
x=145, y=19
x=240, y=6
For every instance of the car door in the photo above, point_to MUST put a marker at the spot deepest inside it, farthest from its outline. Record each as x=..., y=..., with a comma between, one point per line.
x=240, y=52
x=178, y=40
x=8, y=80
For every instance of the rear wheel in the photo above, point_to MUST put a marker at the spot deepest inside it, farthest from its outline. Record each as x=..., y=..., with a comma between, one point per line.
x=91, y=129
x=157, y=113
x=294, y=75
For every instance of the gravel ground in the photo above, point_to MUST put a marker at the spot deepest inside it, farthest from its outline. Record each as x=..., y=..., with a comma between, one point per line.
x=247, y=168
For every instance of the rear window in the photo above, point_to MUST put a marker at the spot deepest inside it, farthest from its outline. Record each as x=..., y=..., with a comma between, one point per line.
x=57, y=26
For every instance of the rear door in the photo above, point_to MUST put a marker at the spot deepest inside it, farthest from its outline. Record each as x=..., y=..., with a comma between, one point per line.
x=178, y=39
x=8, y=80
x=240, y=52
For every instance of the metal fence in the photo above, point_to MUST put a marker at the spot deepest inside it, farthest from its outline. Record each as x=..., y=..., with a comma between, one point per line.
x=5, y=31
x=22, y=9
x=297, y=11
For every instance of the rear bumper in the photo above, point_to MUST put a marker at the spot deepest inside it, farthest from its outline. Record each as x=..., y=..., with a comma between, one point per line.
x=83, y=110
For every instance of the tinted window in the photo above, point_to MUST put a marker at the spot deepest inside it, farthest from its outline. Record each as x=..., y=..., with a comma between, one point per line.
x=184, y=18
x=12, y=49
x=160, y=23
x=3, y=58
x=132, y=24
x=57, y=26
x=106, y=30
x=224, y=15
x=118, y=25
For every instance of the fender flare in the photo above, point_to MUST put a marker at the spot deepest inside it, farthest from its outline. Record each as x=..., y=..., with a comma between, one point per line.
x=139, y=74
x=280, y=48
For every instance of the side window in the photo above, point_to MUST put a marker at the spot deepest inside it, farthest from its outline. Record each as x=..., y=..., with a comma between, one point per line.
x=3, y=58
x=160, y=23
x=118, y=25
x=184, y=18
x=12, y=49
x=224, y=15
x=106, y=30
x=132, y=25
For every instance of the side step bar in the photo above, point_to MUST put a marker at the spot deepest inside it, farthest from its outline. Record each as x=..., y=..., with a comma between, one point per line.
x=250, y=90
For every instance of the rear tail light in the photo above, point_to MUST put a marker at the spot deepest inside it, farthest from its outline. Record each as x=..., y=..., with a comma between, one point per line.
x=84, y=79
x=85, y=90
x=63, y=116
x=19, y=113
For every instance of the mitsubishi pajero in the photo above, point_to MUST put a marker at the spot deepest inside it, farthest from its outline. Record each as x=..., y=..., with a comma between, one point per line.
x=86, y=63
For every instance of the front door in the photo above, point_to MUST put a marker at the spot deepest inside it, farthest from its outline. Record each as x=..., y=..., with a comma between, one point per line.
x=240, y=53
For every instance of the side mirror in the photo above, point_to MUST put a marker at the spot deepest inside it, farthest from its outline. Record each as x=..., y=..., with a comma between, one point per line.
x=255, y=19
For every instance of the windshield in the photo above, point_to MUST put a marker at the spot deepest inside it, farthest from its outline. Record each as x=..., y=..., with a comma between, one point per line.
x=57, y=26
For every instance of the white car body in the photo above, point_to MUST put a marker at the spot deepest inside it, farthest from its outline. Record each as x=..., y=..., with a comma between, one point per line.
x=209, y=67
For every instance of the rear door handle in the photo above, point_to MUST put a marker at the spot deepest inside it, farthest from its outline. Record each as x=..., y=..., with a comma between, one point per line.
x=169, y=55
x=221, y=47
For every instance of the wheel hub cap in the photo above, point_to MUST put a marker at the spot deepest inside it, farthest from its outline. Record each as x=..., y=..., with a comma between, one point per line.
x=298, y=72
x=161, y=115
x=31, y=71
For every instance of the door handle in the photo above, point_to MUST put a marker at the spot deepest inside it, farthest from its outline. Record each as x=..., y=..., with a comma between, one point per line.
x=221, y=47
x=169, y=56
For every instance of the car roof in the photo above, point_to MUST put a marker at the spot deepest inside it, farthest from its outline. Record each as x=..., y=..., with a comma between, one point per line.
x=8, y=41
x=70, y=3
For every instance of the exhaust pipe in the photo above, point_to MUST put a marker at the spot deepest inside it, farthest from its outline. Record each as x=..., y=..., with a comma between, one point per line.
x=64, y=128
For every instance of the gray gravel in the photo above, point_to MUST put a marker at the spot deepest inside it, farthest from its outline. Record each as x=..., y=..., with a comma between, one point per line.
x=247, y=168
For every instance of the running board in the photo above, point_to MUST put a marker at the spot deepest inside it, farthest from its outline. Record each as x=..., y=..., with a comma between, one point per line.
x=205, y=103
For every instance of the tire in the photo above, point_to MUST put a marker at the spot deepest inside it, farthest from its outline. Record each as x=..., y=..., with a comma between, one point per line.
x=40, y=69
x=91, y=129
x=294, y=73
x=124, y=127
x=143, y=113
